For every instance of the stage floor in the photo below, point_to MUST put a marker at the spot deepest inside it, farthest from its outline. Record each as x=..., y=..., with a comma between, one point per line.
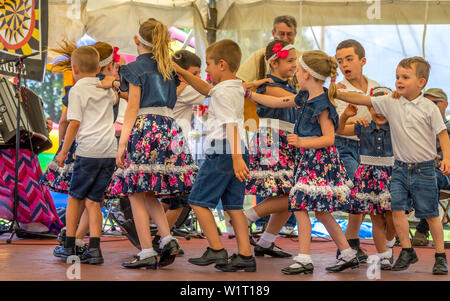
x=32, y=259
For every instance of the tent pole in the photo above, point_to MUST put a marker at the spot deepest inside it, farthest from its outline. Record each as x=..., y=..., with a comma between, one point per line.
x=211, y=25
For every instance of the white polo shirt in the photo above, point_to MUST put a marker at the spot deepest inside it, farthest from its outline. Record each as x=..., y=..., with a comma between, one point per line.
x=363, y=111
x=182, y=112
x=93, y=108
x=414, y=125
x=226, y=106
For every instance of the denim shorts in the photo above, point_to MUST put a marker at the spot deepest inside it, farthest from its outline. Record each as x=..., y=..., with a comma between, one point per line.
x=216, y=181
x=91, y=177
x=349, y=153
x=416, y=183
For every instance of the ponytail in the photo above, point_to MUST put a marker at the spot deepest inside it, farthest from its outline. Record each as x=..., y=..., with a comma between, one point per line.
x=332, y=90
x=66, y=49
x=262, y=67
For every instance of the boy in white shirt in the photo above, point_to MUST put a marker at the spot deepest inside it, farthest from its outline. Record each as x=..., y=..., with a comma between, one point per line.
x=415, y=122
x=216, y=179
x=92, y=122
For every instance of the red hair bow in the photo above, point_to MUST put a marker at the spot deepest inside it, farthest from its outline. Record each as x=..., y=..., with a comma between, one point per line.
x=282, y=54
x=277, y=47
x=116, y=56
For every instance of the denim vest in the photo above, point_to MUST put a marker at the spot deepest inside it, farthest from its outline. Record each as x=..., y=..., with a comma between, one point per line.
x=155, y=91
x=101, y=76
x=374, y=142
x=287, y=114
x=309, y=110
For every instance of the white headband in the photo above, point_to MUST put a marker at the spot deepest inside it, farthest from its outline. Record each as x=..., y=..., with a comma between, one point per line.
x=141, y=39
x=274, y=56
x=106, y=61
x=312, y=72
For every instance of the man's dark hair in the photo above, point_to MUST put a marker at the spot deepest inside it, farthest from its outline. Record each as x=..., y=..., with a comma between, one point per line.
x=359, y=49
x=288, y=20
x=186, y=59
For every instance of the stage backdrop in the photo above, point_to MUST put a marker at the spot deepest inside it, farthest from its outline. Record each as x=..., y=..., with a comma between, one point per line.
x=24, y=31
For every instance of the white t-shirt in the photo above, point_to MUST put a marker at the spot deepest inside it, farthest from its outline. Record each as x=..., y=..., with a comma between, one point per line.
x=414, y=125
x=122, y=108
x=182, y=111
x=363, y=111
x=226, y=106
x=93, y=108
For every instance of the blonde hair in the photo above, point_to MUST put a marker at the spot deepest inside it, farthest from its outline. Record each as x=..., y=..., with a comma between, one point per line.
x=227, y=50
x=156, y=33
x=326, y=66
x=66, y=48
x=421, y=65
x=86, y=58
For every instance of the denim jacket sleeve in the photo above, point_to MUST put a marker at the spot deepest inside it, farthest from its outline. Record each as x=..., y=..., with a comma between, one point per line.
x=322, y=105
x=128, y=76
x=358, y=130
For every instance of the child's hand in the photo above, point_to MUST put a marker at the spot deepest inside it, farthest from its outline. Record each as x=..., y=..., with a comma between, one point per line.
x=395, y=94
x=351, y=110
x=107, y=82
x=294, y=140
x=361, y=121
x=340, y=86
x=240, y=168
x=120, y=157
x=445, y=166
x=177, y=67
x=49, y=123
x=268, y=81
x=60, y=158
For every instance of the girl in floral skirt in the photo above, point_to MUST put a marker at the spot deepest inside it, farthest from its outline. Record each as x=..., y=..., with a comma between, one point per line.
x=321, y=183
x=271, y=157
x=153, y=156
x=373, y=176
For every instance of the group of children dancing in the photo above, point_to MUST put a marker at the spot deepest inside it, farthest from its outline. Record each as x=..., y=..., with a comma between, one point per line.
x=292, y=160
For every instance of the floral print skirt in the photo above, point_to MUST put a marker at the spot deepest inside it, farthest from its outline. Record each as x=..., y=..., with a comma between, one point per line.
x=58, y=178
x=271, y=163
x=321, y=182
x=371, y=189
x=157, y=159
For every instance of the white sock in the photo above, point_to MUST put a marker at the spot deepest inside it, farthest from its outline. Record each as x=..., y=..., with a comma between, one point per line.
x=165, y=240
x=266, y=239
x=384, y=255
x=79, y=242
x=146, y=253
x=390, y=243
x=303, y=258
x=348, y=254
x=251, y=215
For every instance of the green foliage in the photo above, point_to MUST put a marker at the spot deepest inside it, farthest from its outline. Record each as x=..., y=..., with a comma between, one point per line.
x=51, y=92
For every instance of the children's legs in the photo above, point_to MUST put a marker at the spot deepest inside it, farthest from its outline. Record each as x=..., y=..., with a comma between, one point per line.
x=333, y=229
x=402, y=227
x=141, y=219
x=83, y=226
x=272, y=205
x=94, y=210
x=390, y=228
x=378, y=232
x=209, y=227
x=157, y=213
x=304, y=231
x=240, y=226
x=437, y=233
x=354, y=223
x=277, y=221
x=172, y=216
x=74, y=210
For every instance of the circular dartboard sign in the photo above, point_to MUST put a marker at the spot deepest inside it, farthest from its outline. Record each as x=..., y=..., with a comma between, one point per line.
x=17, y=26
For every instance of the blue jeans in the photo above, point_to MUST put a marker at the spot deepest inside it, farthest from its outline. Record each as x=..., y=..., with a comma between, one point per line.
x=349, y=153
x=415, y=182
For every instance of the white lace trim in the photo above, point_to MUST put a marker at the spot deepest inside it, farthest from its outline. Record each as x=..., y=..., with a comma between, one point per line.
x=276, y=124
x=163, y=111
x=263, y=174
x=68, y=168
x=378, y=199
x=155, y=168
x=377, y=161
x=341, y=191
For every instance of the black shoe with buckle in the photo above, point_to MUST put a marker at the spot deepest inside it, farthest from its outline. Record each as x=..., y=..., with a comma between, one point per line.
x=342, y=264
x=63, y=253
x=81, y=249
x=210, y=256
x=168, y=253
x=149, y=263
x=386, y=263
x=440, y=265
x=404, y=260
x=92, y=256
x=298, y=268
x=273, y=251
x=237, y=263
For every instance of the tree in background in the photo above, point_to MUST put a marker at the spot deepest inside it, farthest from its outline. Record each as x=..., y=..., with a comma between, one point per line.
x=51, y=92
